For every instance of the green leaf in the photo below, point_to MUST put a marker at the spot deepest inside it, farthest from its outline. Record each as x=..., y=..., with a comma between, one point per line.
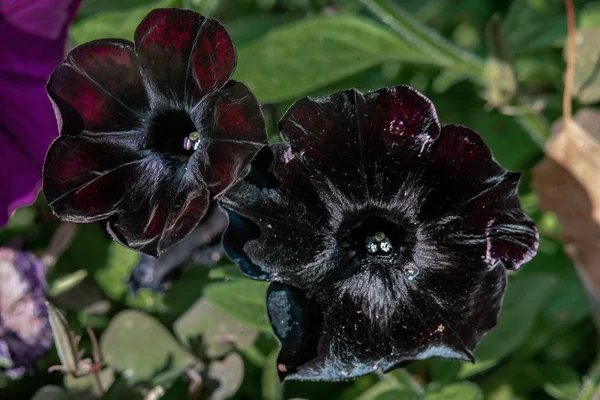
x=295, y=59
x=218, y=333
x=244, y=299
x=112, y=277
x=561, y=381
x=252, y=27
x=529, y=28
x=87, y=384
x=51, y=392
x=64, y=339
x=458, y=391
x=428, y=41
x=113, y=24
x=397, y=394
x=523, y=302
x=229, y=374
x=142, y=348
x=272, y=389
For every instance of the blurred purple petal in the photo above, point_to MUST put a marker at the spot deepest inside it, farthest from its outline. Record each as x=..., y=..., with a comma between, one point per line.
x=34, y=35
x=25, y=332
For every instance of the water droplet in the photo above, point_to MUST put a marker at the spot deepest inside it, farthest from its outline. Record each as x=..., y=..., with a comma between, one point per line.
x=386, y=245
x=371, y=245
x=411, y=272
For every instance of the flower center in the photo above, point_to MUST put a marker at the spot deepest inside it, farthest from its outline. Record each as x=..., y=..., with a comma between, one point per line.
x=378, y=243
x=173, y=132
x=376, y=237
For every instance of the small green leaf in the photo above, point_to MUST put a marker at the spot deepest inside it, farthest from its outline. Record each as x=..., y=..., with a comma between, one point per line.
x=113, y=276
x=561, y=381
x=457, y=391
x=218, y=333
x=67, y=282
x=295, y=59
x=64, y=339
x=523, y=302
x=142, y=348
x=243, y=299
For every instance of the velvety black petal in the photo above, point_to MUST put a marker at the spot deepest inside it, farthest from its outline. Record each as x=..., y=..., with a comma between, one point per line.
x=280, y=233
x=183, y=55
x=87, y=180
x=98, y=88
x=378, y=319
x=367, y=144
x=490, y=226
x=232, y=132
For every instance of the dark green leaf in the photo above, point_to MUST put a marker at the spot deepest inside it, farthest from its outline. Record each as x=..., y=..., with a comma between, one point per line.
x=243, y=299
x=142, y=348
x=295, y=59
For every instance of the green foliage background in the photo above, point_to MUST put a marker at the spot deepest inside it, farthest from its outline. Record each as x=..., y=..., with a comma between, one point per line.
x=486, y=64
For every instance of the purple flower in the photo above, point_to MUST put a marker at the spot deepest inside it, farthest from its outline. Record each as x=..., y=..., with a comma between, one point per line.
x=151, y=131
x=386, y=236
x=25, y=332
x=34, y=35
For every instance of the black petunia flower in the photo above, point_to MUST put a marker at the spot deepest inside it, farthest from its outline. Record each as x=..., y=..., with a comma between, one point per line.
x=151, y=131
x=387, y=236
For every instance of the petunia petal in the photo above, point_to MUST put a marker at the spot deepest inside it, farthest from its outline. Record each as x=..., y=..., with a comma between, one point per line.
x=379, y=137
x=151, y=223
x=461, y=166
x=93, y=179
x=289, y=221
x=233, y=131
x=84, y=179
x=379, y=319
x=34, y=35
x=98, y=88
x=491, y=226
x=200, y=53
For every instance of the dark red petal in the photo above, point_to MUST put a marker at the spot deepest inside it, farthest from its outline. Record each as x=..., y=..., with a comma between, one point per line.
x=233, y=131
x=164, y=207
x=491, y=226
x=379, y=138
x=150, y=201
x=461, y=166
x=84, y=180
x=213, y=57
x=184, y=55
x=98, y=88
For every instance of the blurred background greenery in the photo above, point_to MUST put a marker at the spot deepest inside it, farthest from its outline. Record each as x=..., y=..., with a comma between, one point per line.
x=495, y=66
